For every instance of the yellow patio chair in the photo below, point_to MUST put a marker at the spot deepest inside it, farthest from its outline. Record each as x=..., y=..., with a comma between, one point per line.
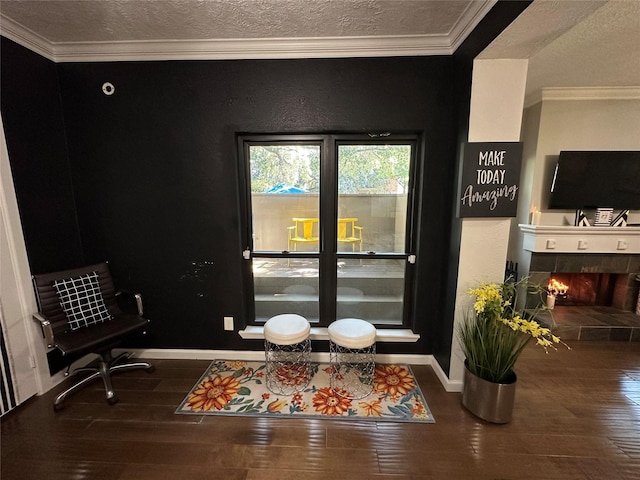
x=349, y=232
x=304, y=231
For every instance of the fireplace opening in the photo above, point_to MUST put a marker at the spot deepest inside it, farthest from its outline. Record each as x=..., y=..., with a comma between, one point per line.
x=594, y=289
x=601, y=295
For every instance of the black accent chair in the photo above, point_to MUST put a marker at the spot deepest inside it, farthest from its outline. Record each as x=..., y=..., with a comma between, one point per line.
x=99, y=338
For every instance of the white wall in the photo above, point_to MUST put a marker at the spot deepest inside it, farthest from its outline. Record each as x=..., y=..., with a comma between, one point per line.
x=28, y=363
x=497, y=102
x=570, y=123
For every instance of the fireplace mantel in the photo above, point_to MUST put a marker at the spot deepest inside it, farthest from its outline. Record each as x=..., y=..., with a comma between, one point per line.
x=569, y=239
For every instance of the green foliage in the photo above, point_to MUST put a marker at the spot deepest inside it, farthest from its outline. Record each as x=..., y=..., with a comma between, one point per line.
x=294, y=165
x=491, y=349
x=495, y=334
x=372, y=168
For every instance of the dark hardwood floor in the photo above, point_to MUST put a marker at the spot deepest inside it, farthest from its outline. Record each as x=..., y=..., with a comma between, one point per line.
x=577, y=416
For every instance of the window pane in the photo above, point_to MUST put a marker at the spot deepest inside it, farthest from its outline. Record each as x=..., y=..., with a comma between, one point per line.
x=372, y=290
x=286, y=286
x=373, y=183
x=285, y=185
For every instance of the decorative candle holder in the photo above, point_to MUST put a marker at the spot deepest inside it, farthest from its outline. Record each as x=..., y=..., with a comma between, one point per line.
x=551, y=301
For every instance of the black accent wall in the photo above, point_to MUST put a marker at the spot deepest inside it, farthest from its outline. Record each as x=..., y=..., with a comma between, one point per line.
x=34, y=130
x=154, y=167
x=147, y=178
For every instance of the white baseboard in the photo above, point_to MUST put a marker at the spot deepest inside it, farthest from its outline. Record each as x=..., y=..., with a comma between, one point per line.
x=254, y=355
x=449, y=385
x=188, y=354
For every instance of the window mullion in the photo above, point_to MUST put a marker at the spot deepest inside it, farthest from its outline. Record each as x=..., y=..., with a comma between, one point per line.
x=328, y=235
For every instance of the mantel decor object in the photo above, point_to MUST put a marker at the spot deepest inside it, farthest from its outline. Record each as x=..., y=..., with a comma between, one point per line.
x=551, y=301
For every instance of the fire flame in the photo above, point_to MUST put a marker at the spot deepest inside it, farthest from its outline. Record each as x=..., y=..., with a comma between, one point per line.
x=557, y=288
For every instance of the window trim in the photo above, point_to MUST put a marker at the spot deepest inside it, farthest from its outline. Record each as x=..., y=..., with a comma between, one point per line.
x=328, y=206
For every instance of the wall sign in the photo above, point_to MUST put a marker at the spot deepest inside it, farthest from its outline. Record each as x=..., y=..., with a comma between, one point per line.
x=490, y=179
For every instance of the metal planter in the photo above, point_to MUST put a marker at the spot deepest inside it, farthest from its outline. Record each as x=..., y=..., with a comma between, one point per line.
x=489, y=401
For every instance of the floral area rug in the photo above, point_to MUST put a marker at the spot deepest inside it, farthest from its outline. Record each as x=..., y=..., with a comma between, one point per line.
x=231, y=387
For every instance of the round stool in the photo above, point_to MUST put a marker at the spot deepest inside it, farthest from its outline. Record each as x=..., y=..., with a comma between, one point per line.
x=287, y=349
x=352, y=349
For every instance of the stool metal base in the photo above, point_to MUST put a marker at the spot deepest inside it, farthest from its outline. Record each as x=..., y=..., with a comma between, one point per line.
x=288, y=367
x=352, y=370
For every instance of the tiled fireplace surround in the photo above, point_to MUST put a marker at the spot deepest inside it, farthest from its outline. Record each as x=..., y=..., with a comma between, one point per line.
x=617, y=322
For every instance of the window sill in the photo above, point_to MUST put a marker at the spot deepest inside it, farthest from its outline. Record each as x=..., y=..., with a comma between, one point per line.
x=403, y=335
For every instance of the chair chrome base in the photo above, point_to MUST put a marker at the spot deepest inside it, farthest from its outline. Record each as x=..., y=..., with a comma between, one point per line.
x=106, y=366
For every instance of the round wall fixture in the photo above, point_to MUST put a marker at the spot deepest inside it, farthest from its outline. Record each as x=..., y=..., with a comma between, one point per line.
x=108, y=88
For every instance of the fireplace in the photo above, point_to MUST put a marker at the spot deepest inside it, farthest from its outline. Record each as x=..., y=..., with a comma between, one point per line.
x=600, y=298
x=599, y=266
x=616, y=290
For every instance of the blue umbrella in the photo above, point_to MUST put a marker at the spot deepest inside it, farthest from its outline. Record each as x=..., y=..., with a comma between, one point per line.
x=281, y=188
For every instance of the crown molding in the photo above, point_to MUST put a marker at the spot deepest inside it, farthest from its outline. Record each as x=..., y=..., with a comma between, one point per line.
x=583, y=93
x=252, y=48
x=25, y=37
x=468, y=22
x=237, y=49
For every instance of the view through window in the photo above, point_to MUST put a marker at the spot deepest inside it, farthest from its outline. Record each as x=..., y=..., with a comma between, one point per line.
x=328, y=227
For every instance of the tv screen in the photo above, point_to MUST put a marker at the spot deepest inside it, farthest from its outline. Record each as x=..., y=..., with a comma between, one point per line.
x=596, y=179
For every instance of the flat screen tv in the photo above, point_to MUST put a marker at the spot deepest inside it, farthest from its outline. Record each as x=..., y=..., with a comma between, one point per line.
x=596, y=179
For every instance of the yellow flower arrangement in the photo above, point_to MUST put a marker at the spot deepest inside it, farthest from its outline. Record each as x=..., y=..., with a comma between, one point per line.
x=494, y=336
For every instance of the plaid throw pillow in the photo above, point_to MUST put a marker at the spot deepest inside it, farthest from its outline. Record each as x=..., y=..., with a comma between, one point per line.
x=81, y=299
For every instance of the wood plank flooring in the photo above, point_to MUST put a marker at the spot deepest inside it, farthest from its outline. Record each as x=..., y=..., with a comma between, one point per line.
x=577, y=416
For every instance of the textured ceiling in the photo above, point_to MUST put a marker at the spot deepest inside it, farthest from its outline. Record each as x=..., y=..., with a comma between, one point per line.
x=569, y=43
x=603, y=50
x=98, y=21
x=573, y=44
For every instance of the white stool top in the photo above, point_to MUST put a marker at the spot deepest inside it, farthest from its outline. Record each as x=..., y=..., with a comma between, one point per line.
x=286, y=329
x=352, y=333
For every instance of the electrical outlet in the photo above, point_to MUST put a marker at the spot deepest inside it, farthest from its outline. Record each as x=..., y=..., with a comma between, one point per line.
x=228, y=323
